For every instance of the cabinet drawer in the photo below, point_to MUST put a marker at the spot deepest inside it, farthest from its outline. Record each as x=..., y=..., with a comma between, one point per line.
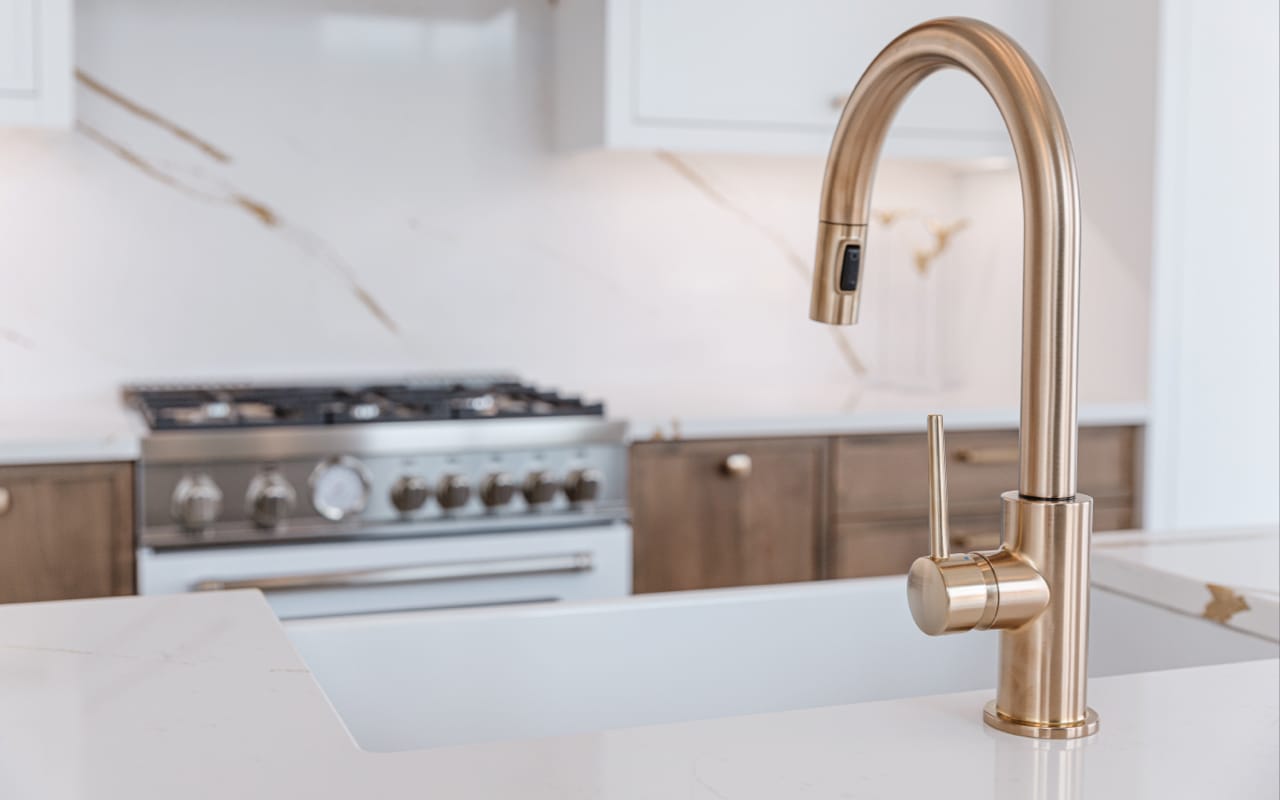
x=889, y=474
x=66, y=532
x=863, y=549
x=698, y=524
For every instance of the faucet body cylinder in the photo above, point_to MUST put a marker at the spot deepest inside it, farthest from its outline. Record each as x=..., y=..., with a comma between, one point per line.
x=1043, y=663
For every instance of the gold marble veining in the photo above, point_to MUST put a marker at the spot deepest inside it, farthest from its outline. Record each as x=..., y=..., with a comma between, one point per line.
x=142, y=112
x=145, y=166
x=259, y=210
x=1224, y=603
x=798, y=262
x=312, y=245
x=942, y=234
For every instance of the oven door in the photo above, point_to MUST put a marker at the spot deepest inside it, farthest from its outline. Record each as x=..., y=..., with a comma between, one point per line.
x=359, y=577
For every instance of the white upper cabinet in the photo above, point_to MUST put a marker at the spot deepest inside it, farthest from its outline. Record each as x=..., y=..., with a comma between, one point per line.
x=761, y=76
x=36, y=70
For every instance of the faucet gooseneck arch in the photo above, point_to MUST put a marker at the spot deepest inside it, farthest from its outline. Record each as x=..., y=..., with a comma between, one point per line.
x=1035, y=587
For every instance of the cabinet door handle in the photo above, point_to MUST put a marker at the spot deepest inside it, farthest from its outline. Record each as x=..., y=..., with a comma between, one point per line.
x=976, y=541
x=987, y=455
x=6, y=501
x=422, y=573
x=737, y=465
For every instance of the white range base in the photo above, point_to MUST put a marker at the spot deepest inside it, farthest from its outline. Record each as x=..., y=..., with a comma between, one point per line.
x=594, y=561
x=201, y=696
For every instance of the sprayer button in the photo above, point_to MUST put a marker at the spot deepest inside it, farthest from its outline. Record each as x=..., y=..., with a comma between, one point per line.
x=849, y=266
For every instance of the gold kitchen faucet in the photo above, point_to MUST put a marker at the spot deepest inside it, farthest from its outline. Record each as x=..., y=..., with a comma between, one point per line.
x=1034, y=589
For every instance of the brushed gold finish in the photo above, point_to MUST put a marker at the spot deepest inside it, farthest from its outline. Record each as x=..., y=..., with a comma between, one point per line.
x=992, y=716
x=1042, y=665
x=6, y=501
x=939, y=536
x=1050, y=218
x=829, y=303
x=1035, y=587
x=967, y=591
x=951, y=594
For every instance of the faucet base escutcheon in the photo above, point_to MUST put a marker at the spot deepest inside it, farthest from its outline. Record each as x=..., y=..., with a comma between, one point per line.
x=1078, y=730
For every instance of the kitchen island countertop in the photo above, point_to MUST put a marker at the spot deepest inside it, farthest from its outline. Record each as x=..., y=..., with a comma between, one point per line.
x=101, y=428
x=70, y=429
x=861, y=422
x=1227, y=576
x=202, y=696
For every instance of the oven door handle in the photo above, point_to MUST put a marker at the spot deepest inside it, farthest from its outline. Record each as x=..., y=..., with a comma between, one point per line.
x=422, y=573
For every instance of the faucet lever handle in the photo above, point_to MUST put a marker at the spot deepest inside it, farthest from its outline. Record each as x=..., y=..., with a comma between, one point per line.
x=939, y=536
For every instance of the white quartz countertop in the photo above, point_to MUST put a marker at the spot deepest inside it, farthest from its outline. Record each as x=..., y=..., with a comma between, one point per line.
x=99, y=428
x=729, y=427
x=201, y=696
x=67, y=430
x=1231, y=577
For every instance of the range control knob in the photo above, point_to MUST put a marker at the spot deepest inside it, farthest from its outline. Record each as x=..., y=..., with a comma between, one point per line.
x=270, y=498
x=453, y=491
x=410, y=493
x=540, y=487
x=497, y=490
x=340, y=487
x=196, y=502
x=583, y=485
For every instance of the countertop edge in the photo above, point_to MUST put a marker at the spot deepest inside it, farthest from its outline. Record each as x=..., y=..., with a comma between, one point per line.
x=704, y=428
x=119, y=436
x=1251, y=610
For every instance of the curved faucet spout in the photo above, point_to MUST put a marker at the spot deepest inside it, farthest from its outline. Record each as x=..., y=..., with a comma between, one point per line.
x=1051, y=273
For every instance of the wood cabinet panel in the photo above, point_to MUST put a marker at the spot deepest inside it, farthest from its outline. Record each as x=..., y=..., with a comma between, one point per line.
x=889, y=474
x=698, y=526
x=67, y=532
x=863, y=549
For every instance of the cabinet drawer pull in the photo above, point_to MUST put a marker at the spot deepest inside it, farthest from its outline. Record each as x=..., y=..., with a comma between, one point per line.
x=737, y=465
x=988, y=455
x=6, y=501
x=976, y=541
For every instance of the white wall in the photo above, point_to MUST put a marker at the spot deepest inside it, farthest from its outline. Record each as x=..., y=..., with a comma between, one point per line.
x=389, y=201
x=1214, y=455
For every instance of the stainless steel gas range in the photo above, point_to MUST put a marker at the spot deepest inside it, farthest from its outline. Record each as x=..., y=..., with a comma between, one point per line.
x=342, y=499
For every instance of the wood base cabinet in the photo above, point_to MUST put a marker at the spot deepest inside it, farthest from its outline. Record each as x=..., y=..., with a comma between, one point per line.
x=66, y=531
x=880, y=493
x=727, y=513
x=755, y=511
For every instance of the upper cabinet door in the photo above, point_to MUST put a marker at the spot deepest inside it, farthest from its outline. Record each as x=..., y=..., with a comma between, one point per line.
x=764, y=76
x=36, y=69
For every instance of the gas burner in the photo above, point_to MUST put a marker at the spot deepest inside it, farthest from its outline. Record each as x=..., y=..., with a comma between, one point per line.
x=215, y=406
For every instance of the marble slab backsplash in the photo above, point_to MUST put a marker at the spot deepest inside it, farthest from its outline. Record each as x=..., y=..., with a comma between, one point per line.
x=296, y=189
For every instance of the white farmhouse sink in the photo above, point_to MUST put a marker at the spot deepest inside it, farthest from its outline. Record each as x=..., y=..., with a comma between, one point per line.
x=417, y=680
